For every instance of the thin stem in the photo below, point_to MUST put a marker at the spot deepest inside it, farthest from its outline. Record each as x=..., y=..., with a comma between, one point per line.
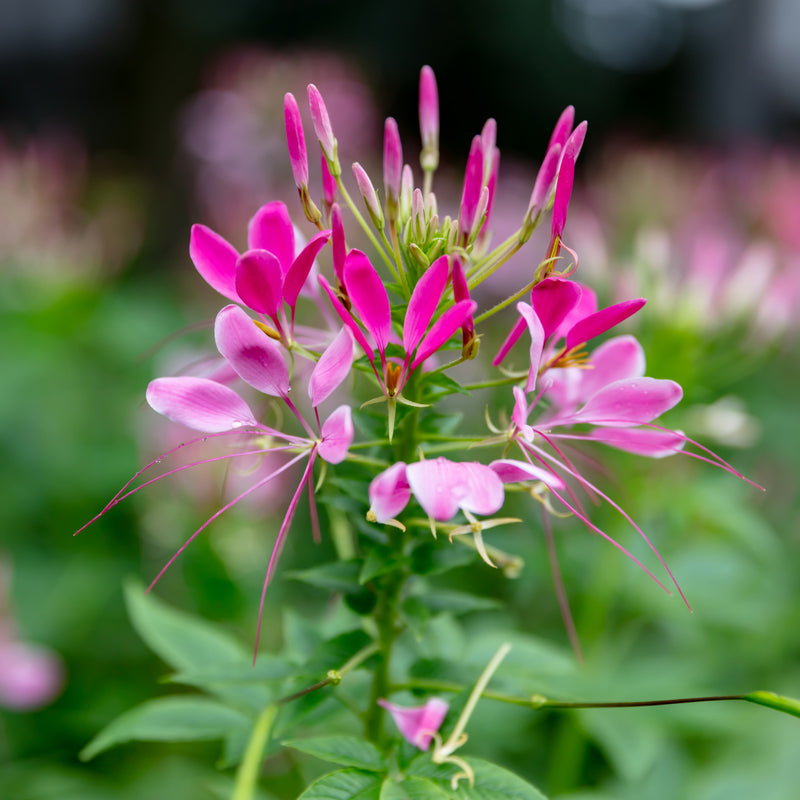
x=366, y=228
x=244, y=787
x=504, y=303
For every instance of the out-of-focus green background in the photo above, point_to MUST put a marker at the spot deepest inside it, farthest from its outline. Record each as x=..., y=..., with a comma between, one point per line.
x=121, y=123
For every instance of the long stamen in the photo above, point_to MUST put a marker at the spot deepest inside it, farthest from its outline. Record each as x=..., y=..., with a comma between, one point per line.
x=279, y=542
x=222, y=510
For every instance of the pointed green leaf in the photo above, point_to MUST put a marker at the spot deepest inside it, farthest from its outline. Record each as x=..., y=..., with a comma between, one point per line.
x=457, y=602
x=336, y=576
x=185, y=642
x=491, y=782
x=344, y=784
x=413, y=787
x=348, y=751
x=169, y=719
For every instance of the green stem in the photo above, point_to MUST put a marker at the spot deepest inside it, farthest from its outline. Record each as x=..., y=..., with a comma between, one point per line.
x=247, y=775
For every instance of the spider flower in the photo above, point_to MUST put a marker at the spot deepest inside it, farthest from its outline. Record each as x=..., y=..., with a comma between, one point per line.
x=418, y=724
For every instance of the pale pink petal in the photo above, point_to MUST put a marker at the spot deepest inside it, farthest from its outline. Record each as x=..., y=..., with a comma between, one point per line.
x=332, y=368
x=368, y=295
x=601, y=321
x=201, y=404
x=510, y=470
x=424, y=301
x=618, y=358
x=256, y=357
x=485, y=493
x=649, y=442
x=633, y=401
x=271, y=229
x=337, y=435
x=298, y=272
x=438, y=485
x=418, y=724
x=389, y=492
x=259, y=281
x=368, y=194
x=443, y=329
x=215, y=260
x=519, y=416
x=553, y=299
x=348, y=320
x=537, y=343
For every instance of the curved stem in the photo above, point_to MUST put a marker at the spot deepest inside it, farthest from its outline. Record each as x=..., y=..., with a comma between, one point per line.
x=247, y=775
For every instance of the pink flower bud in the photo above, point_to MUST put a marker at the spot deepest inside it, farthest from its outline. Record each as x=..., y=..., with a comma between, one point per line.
x=471, y=193
x=429, y=119
x=322, y=123
x=392, y=160
x=295, y=141
x=417, y=724
x=367, y=191
x=406, y=192
x=563, y=128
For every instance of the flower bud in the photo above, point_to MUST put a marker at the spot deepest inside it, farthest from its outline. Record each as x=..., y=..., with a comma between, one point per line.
x=392, y=167
x=324, y=131
x=471, y=193
x=429, y=119
x=406, y=192
x=367, y=191
x=328, y=184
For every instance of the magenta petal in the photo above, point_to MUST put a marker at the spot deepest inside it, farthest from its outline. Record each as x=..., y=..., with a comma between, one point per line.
x=367, y=293
x=553, y=299
x=332, y=368
x=473, y=183
x=418, y=724
x=566, y=176
x=259, y=281
x=563, y=127
x=348, y=320
x=537, y=343
x=443, y=329
x=295, y=140
x=424, y=301
x=545, y=178
x=297, y=273
x=511, y=340
x=215, y=260
x=618, y=358
x=586, y=305
x=271, y=229
x=601, y=321
x=389, y=492
x=633, y=401
x=199, y=403
x=649, y=442
x=257, y=359
x=510, y=470
x=337, y=435
x=338, y=244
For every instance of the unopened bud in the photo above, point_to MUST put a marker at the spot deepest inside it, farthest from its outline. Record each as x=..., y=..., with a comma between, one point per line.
x=392, y=167
x=429, y=119
x=367, y=191
x=473, y=183
x=328, y=184
x=295, y=141
x=323, y=129
x=406, y=192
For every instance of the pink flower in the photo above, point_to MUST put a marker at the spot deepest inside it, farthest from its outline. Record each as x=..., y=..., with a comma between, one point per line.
x=418, y=724
x=365, y=289
x=269, y=274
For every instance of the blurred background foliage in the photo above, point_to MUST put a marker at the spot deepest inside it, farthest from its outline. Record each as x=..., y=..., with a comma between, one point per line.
x=123, y=122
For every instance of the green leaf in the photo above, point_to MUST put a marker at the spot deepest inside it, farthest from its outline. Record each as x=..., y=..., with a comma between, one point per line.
x=185, y=642
x=344, y=784
x=348, y=751
x=335, y=576
x=491, y=782
x=268, y=668
x=169, y=719
x=457, y=602
x=777, y=702
x=379, y=561
x=412, y=787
